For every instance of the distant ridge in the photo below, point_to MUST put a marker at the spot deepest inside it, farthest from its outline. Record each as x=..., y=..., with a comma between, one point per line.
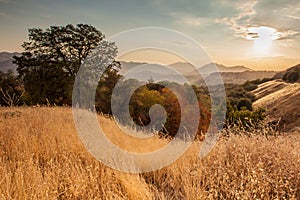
x=186, y=68
x=230, y=74
x=180, y=67
x=6, y=62
x=210, y=68
x=241, y=77
x=235, y=74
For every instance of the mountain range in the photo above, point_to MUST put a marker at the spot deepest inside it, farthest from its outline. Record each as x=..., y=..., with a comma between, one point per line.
x=236, y=74
x=186, y=68
x=6, y=62
x=145, y=71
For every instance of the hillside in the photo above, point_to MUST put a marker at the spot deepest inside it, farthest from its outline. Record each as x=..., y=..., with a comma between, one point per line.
x=241, y=77
x=292, y=74
x=281, y=101
x=281, y=74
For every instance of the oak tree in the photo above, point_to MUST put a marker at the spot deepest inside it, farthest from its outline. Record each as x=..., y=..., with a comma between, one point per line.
x=51, y=59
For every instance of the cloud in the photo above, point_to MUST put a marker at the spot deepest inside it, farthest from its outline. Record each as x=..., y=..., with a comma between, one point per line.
x=194, y=13
x=292, y=12
x=273, y=14
x=287, y=35
x=189, y=20
x=240, y=23
x=195, y=21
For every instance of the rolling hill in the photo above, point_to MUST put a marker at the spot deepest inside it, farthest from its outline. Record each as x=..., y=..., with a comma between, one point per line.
x=281, y=101
x=186, y=68
x=291, y=75
x=240, y=77
x=209, y=69
x=235, y=74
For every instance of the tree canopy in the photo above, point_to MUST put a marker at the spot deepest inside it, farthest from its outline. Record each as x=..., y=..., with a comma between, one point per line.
x=51, y=59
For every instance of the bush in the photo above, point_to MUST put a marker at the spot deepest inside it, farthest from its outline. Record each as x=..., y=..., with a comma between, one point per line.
x=11, y=89
x=243, y=118
x=244, y=104
x=291, y=77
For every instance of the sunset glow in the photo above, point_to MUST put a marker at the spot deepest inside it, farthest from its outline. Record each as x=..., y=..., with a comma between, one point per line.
x=263, y=38
x=232, y=32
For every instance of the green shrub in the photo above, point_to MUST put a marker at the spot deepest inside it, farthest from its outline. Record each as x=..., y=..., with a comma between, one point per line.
x=244, y=103
x=291, y=77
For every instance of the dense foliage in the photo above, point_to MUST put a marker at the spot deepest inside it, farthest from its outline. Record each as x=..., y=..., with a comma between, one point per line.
x=146, y=95
x=51, y=59
x=240, y=111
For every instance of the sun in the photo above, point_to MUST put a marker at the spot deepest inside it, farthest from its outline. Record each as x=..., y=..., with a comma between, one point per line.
x=263, y=38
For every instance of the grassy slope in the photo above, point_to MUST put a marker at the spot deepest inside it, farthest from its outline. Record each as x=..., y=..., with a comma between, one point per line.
x=281, y=101
x=41, y=157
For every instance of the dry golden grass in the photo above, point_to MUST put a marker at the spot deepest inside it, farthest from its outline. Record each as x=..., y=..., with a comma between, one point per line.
x=281, y=101
x=41, y=157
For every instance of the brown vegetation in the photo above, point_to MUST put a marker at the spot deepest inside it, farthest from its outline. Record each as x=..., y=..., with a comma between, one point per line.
x=41, y=157
x=281, y=101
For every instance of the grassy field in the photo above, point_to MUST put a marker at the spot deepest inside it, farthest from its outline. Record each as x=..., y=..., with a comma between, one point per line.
x=41, y=157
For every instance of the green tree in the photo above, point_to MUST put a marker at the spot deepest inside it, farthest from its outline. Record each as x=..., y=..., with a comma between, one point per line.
x=141, y=102
x=52, y=58
x=105, y=89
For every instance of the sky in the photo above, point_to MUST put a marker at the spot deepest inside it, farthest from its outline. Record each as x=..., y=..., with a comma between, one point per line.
x=260, y=34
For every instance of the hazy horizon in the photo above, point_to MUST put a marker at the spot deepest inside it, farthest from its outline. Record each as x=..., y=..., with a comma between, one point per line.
x=259, y=34
x=142, y=59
